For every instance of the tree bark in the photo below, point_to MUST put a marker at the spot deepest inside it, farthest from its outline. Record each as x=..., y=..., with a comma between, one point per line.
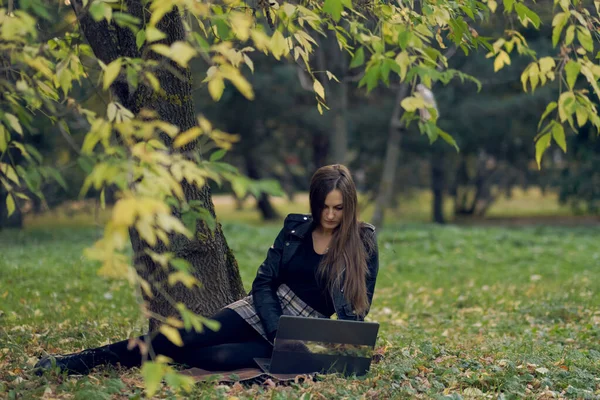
x=437, y=187
x=213, y=263
x=340, y=124
x=335, y=61
x=388, y=176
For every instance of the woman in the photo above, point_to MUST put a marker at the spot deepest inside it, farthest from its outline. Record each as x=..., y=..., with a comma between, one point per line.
x=320, y=264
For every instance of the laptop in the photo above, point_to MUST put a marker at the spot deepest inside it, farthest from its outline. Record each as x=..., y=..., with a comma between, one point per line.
x=307, y=345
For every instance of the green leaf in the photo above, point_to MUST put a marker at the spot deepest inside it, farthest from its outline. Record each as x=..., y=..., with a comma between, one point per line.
x=370, y=78
x=132, y=77
x=572, y=69
x=358, y=59
x=570, y=35
x=179, y=381
x=585, y=38
x=526, y=14
x=211, y=324
x=448, y=139
x=566, y=102
x=140, y=38
x=558, y=133
x=152, y=372
x=204, y=215
x=111, y=72
x=540, y=147
x=54, y=173
x=334, y=8
x=181, y=264
x=10, y=204
x=508, y=5
x=549, y=108
x=404, y=38
x=558, y=22
x=98, y=10
x=217, y=155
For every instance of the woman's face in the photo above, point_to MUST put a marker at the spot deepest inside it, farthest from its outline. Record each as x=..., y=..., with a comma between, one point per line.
x=333, y=209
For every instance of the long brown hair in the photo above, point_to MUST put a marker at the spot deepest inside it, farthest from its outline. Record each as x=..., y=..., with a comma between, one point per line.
x=348, y=250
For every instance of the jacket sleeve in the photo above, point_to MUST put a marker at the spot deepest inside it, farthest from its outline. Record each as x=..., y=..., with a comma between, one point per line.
x=373, y=268
x=264, y=288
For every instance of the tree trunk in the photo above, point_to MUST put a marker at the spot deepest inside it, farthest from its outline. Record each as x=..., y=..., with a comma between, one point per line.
x=331, y=58
x=386, y=184
x=320, y=146
x=340, y=125
x=437, y=187
x=263, y=203
x=213, y=263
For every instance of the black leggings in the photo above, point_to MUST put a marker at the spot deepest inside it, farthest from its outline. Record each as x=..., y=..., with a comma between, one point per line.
x=233, y=346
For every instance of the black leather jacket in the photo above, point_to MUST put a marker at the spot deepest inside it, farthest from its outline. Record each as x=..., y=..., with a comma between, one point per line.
x=264, y=287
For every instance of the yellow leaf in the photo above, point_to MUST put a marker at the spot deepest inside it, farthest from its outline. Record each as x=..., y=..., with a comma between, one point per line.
x=111, y=72
x=403, y=60
x=215, y=87
x=238, y=80
x=10, y=172
x=249, y=62
x=492, y=5
x=153, y=34
x=174, y=322
x=124, y=212
x=111, y=111
x=188, y=280
x=582, y=116
x=278, y=45
x=14, y=123
x=411, y=103
x=186, y=137
x=4, y=139
x=181, y=53
x=240, y=24
x=318, y=88
x=501, y=59
x=204, y=124
x=152, y=372
x=153, y=81
x=172, y=334
x=331, y=76
x=261, y=40
x=546, y=64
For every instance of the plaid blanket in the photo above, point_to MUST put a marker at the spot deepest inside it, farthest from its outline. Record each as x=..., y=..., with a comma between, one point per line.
x=291, y=304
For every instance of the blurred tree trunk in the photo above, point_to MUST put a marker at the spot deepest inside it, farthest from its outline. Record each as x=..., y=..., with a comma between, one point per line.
x=213, y=263
x=331, y=58
x=437, y=186
x=392, y=154
x=263, y=203
x=320, y=147
x=339, y=153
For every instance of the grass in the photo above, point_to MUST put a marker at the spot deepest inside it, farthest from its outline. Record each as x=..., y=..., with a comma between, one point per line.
x=465, y=312
x=412, y=207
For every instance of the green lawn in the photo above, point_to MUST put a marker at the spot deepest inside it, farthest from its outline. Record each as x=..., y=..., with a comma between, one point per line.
x=465, y=312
